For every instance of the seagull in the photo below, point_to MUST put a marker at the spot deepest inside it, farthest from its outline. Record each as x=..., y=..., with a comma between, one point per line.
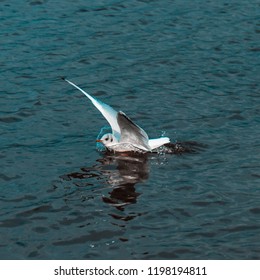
x=126, y=136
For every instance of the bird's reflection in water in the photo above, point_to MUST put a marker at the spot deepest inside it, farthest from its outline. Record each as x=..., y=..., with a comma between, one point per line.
x=118, y=174
x=130, y=170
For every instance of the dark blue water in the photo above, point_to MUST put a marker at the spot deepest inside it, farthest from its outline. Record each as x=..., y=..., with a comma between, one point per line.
x=185, y=69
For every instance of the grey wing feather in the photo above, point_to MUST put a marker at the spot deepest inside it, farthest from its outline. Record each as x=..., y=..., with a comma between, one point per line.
x=107, y=111
x=132, y=133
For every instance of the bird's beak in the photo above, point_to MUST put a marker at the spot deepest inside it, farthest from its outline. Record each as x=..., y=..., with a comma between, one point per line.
x=99, y=140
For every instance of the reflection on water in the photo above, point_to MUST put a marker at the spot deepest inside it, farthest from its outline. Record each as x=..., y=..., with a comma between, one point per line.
x=116, y=175
x=129, y=171
x=119, y=174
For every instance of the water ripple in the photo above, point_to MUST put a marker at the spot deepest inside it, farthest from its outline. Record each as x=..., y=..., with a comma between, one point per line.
x=181, y=69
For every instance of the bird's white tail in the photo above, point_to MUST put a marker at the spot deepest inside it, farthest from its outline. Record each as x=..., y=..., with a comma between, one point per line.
x=156, y=143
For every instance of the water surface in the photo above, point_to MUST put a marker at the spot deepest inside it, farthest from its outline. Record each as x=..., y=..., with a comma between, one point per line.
x=185, y=69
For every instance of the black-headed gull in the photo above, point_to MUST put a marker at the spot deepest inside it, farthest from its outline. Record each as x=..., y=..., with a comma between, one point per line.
x=126, y=136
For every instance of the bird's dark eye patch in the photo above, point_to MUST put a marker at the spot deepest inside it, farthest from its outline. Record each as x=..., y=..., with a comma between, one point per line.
x=111, y=140
x=106, y=139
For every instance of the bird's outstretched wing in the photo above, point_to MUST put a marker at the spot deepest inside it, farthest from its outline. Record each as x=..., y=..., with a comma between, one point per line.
x=132, y=133
x=123, y=128
x=107, y=111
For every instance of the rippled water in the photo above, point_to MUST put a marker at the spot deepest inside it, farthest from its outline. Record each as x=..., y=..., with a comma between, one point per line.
x=186, y=69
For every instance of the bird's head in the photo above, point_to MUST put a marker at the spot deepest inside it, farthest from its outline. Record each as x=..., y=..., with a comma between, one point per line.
x=108, y=140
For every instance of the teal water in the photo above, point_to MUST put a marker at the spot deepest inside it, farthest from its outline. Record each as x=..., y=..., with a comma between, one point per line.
x=185, y=69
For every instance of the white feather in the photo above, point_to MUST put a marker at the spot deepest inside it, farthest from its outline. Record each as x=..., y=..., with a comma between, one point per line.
x=107, y=111
x=156, y=143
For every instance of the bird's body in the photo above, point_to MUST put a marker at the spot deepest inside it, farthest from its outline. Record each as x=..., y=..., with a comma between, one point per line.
x=126, y=136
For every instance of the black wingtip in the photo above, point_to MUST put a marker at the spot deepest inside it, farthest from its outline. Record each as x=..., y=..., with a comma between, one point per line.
x=63, y=78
